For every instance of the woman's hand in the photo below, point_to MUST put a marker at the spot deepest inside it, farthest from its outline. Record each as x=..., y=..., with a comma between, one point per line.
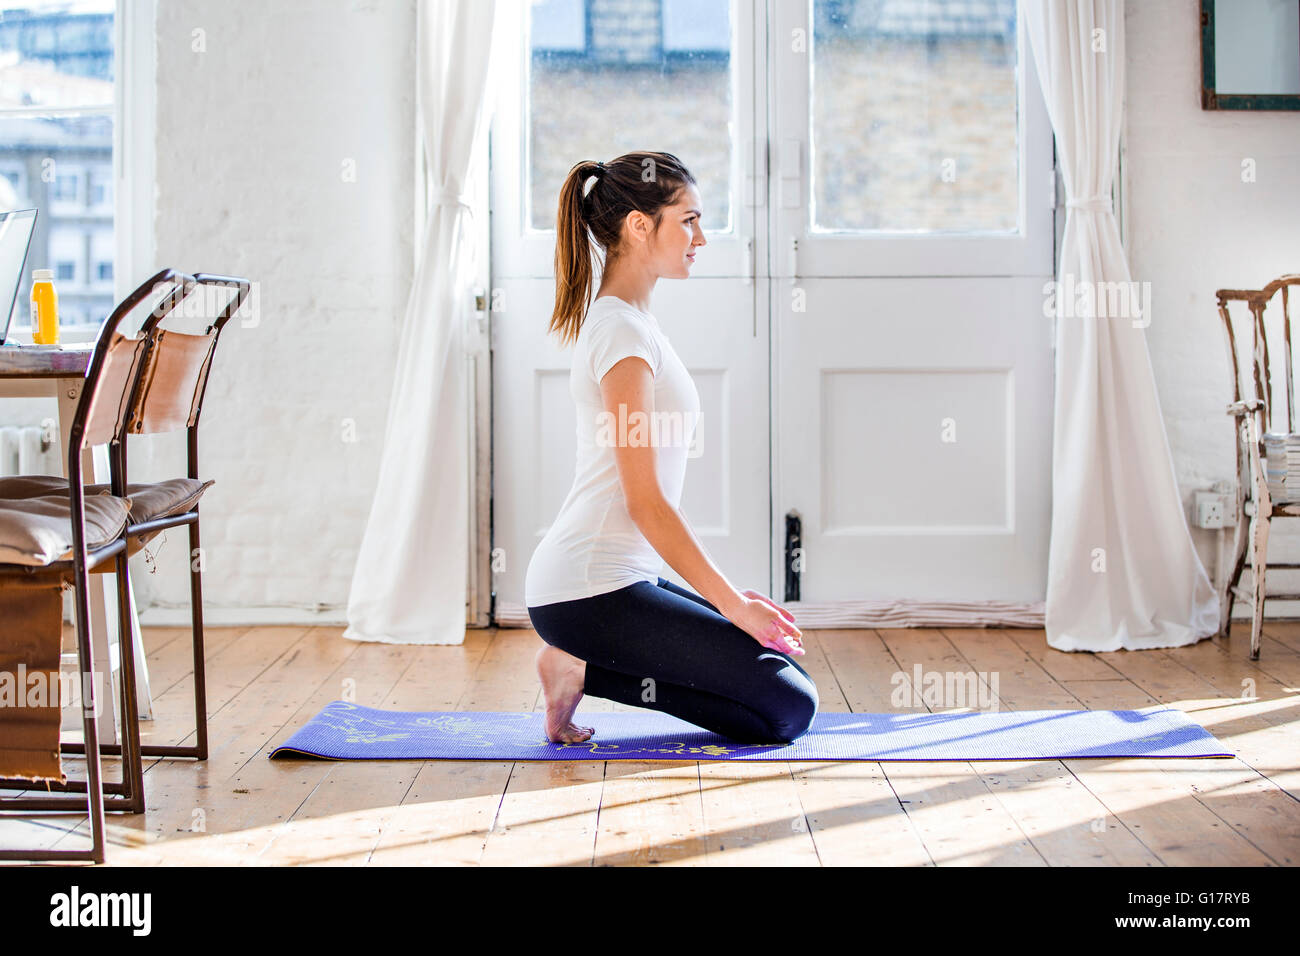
x=768, y=623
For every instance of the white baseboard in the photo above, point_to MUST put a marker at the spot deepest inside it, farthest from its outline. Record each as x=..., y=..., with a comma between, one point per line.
x=869, y=614
x=246, y=616
x=855, y=614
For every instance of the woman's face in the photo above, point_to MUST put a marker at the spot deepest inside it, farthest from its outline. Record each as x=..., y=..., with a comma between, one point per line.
x=679, y=236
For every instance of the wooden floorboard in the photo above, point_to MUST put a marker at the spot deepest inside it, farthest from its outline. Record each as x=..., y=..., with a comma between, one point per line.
x=239, y=807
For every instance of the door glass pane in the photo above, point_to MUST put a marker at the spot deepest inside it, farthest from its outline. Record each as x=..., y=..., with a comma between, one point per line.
x=914, y=116
x=607, y=78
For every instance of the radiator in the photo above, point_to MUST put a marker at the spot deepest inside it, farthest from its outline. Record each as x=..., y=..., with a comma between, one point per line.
x=29, y=450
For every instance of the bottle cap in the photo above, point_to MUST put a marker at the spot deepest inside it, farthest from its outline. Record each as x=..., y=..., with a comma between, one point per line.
x=42, y=275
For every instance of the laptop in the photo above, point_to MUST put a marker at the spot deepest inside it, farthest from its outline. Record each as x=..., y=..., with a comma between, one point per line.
x=16, y=230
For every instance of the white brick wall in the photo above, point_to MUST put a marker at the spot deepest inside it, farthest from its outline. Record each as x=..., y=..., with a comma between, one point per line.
x=253, y=135
x=1196, y=227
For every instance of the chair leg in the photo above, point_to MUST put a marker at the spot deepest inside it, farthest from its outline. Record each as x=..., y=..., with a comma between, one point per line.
x=1240, y=538
x=132, y=764
x=199, y=749
x=1259, y=526
x=1228, y=597
x=90, y=717
x=196, y=628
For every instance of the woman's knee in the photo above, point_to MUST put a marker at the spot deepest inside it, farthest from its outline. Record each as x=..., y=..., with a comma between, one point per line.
x=794, y=708
x=550, y=631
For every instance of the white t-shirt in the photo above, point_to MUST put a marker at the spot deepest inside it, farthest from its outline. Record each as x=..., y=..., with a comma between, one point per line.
x=593, y=546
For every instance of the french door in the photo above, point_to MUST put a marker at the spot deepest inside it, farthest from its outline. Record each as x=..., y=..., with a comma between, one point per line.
x=912, y=234
x=865, y=324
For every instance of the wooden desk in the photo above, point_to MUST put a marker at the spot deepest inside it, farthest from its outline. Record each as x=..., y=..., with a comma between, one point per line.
x=28, y=371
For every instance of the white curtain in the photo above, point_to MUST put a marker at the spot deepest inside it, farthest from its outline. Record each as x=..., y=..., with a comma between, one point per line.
x=409, y=585
x=1122, y=571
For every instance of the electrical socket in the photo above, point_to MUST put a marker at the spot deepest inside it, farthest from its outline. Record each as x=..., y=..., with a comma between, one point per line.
x=1214, y=510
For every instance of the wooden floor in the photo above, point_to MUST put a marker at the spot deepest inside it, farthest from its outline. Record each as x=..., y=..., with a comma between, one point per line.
x=241, y=808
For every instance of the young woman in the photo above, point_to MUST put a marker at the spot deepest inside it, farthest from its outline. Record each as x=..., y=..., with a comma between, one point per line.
x=613, y=627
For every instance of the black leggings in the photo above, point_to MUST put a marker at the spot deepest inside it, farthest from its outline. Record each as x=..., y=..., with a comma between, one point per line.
x=668, y=649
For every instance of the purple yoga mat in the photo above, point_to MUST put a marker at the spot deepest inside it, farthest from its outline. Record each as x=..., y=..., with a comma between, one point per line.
x=347, y=731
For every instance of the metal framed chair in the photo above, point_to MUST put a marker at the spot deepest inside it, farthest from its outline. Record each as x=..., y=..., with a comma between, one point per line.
x=1253, y=412
x=166, y=394
x=39, y=562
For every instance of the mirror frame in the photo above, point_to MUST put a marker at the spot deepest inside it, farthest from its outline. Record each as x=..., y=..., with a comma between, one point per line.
x=1212, y=100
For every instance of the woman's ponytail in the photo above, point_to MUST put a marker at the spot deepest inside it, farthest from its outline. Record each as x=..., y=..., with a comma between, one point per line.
x=574, y=273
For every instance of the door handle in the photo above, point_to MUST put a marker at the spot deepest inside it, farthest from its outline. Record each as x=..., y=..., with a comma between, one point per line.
x=794, y=257
x=747, y=264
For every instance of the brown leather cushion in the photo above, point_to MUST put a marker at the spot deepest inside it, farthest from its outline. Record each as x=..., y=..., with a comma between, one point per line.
x=37, y=531
x=148, y=500
x=160, y=499
x=31, y=628
x=32, y=486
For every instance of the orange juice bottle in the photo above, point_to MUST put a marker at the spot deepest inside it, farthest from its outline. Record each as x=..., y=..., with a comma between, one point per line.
x=45, y=308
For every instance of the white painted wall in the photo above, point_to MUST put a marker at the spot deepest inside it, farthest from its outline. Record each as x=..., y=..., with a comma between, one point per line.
x=253, y=134
x=1195, y=227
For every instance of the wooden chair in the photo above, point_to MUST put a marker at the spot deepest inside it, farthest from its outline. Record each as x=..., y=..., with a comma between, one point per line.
x=1253, y=412
x=48, y=543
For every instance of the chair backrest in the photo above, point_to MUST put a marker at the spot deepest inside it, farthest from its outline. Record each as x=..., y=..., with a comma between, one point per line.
x=1256, y=382
x=111, y=375
x=172, y=373
x=109, y=401
x=104, y=404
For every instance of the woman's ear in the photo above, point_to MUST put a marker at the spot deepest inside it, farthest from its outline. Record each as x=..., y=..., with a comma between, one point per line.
x=639, y=224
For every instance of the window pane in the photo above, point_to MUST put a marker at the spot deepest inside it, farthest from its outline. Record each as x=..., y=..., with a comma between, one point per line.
x=60, y=55
x=609, y=78
x=57, y=53
x=914, y=116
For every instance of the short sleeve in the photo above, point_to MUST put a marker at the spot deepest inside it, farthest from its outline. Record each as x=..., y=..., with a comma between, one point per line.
x=617, y=336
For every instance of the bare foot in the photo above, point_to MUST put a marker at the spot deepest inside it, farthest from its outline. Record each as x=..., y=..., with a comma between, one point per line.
x=562, y=681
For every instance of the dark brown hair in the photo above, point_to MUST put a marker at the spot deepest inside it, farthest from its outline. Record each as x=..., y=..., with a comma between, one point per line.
x=642, y=181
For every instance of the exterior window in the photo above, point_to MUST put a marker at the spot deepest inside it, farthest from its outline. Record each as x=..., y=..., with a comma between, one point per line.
x=598, y=86
x=65, y=187
x=60, y=58
x=560, y=26
x=914, y=117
